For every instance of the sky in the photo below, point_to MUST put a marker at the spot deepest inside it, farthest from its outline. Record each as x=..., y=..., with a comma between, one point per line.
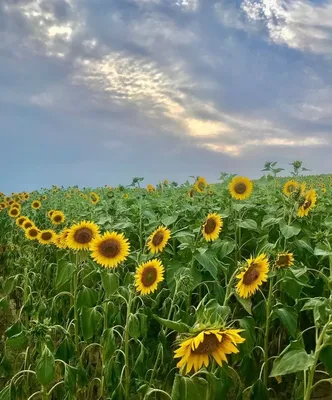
x=95, y=92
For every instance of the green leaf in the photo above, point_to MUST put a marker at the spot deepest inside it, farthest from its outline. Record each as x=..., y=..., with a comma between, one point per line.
x=133, y=326
x=226, y=248
x=169, y=219
x=328, y=222
x=179, y=327
x=289, y=231
x=110, y=281
x=9, y=285
x=91, y=320
x=248, y=224
x=259, y=391
x=5, y=393
x=66, y=350
x=208, y=262
x=269, y=221
x=288, y=317
x=305, y=245
x=293, y=359
x=64, y=273
x=70, y=378
x=322, y=250
x=108, y=343
x=193, y=388
x=248, y=325
x=45, y=369
x=325, y=357
x=87, y=297
x=18, y=341
x=245, y=303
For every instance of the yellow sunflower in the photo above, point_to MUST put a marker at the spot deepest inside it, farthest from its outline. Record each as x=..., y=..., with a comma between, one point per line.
x=26, y=196
x=14, y=212
x=166, y=182
x=27, y=224
x=46, y=236
x=308, y=203
x=200, y=184
x=50, y=213
x=158, y=240
x=81, y=235
x=19, y=221
x=212, y=227
x=148, y=275
x=240, y=188
x=57, y=218
x=253, y=276
x=191, y=192
x=285, y=260
x=150, y=188
x=36, y=204
x=61, y=239
x=32, y=233
x=94, y=197
x=44, y=197
x=3, y=205
x=110, y=249
x=207, y=345
x=126, y=196
x=16, y=205
x=290, y=187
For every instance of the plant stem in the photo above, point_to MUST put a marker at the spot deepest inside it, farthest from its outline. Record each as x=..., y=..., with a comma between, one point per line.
x=229, y=287
x=75, y=284
x=126, y=347
x=266, y=337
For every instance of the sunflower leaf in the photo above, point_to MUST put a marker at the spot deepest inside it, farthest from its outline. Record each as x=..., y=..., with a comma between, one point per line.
x=179, y=327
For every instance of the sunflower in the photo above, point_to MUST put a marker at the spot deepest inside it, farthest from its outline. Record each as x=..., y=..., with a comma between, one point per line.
x=10, y=202
x=61, y=239
x=27, y=224
x=44, y=197
x=36, y=204
x=19, y=221
x=166, y=182
x=158, y=240
x=200, y=184
x=110, y=249
x=126, y=196
x=308, y=203
x=81, y=235
x=285, y=260
x=207, y=345
x=32, y=233
x=253, y=276
x=191, y=192
x=50, y=213
x=46, y=237
x=26, y=196
x=150, y=188
x=212, y=227
x=57, y=218
x=3, y=205
x=14, y=212
x=16, y=205
x=290, y=187
x=94, y=198
x=148, y=275
x=240, y=188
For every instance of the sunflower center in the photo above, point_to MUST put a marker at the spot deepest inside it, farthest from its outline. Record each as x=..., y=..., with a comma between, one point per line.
x=14, y=211
x=307, y=204
x=83, y=235
x=210, y=226
x=33, y=232
x=251, y=275
x=58, y=218
x=208, y=346
x=46, y=235
x=201, y=185
x=283, y=260
x=149, y=276
x=240, y=188
x=110, y=248
x=157, y=238
x=28, y=225
x=21, y=220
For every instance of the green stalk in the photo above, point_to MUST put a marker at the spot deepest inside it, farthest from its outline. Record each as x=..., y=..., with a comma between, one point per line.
x=75, y=284
x=266, y=336
x=126, y=348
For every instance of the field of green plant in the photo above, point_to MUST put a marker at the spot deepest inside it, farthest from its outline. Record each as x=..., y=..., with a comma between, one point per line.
x=182, y=292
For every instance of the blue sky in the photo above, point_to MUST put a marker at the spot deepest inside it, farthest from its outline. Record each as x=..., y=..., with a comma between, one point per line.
x=96, y=92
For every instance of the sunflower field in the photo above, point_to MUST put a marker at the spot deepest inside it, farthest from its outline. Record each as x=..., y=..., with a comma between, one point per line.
x=181, y=292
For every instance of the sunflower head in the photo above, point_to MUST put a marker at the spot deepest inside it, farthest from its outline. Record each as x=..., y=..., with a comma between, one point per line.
x=61, y=239
x=158, y=240
x=212, y=227
x=192, y=192
x=166, y=182
x=240, y=187
x=206, y=345
x=94, y=197
x=150, y=188
x=14, y=212
x=46, y=236
x=200, y=184
x=50, y=213
x=126, y=196
x=36, y=204
x=290, y=187
x=32, y=233
x=27, y=224
x=307, y=203
x=148, y=275
x=19, y=221
x=285, y=260
x=253, y=276
x=81, y=235
x=16, y=205
x=57, y=218
x=110, y=249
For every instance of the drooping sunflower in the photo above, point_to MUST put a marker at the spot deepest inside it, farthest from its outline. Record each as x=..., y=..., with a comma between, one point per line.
x=150, y=188
x=50, y=213
x=94, y=197
x=307, y=203
x=46, y=236
x=158, y=239
x=14, y=212
x=192, y=192
x=61, y=239
x=36, y=204
x=110, y=249
x=253, y=276
x=27, y=224
x=284, y=260
x=57, y=218
x=290, y=187
x=200, y=184
x=212, y=227
x=81, y=235
x=148, y=275
x=32, y=233
x=206, y=345
x=19, y=221
x=166, y=182
x=240, y=187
